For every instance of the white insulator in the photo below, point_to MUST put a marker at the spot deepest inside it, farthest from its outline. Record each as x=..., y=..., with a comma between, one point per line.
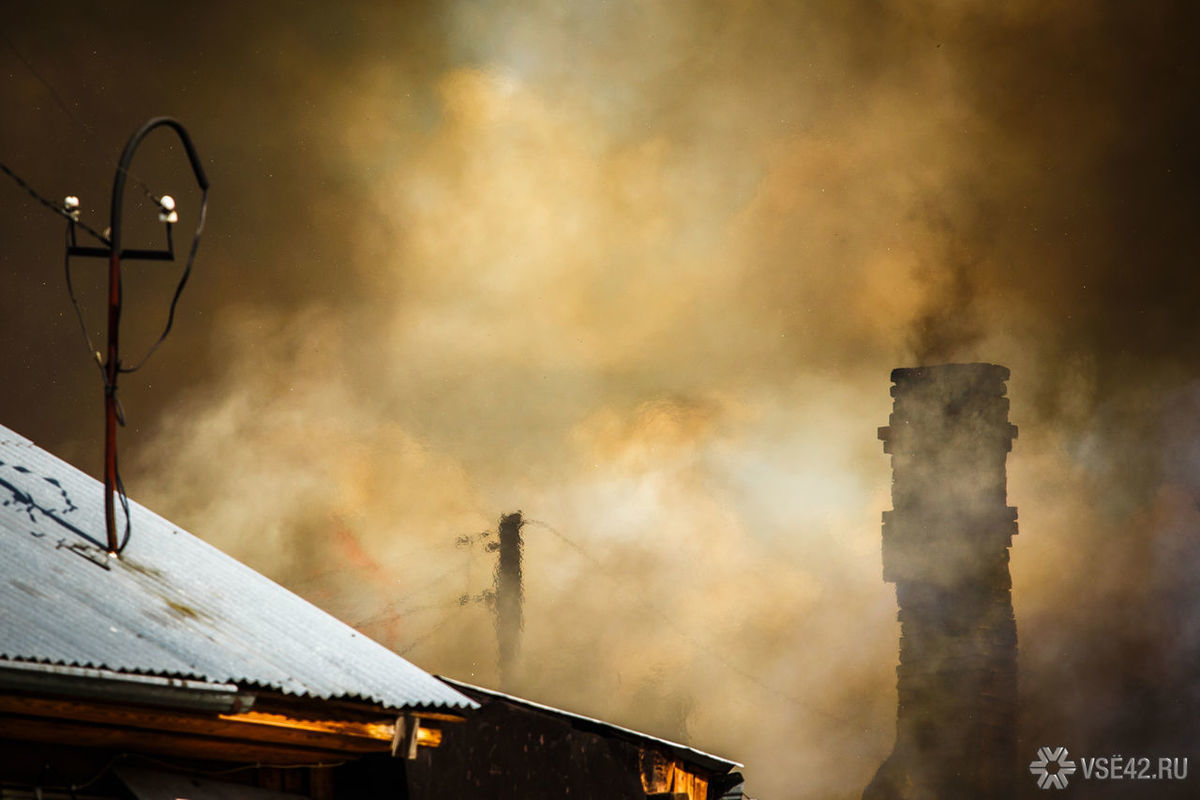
x=166, y=209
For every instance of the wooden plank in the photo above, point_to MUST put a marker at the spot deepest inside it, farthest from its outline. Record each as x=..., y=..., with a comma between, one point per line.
x=189, y=745
x=381, y=731
x=305, y=733
x=439, y=716
x=315, y=708
x=429, y=737
x=320, y=784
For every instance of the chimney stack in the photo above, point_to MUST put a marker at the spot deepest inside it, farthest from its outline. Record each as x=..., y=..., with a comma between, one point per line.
x=945, y=546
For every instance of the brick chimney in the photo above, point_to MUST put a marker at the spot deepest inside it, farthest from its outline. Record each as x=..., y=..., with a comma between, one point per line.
x=945, y=546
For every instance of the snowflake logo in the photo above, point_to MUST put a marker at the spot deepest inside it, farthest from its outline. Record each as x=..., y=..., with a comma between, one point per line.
x=1052, y=767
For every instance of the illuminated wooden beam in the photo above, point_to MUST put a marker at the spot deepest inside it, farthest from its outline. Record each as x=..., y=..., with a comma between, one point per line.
x=378, y=731
x=167, y=743
x=325, y=736
x=440, y=716
x=355, y=738
x=429, y=737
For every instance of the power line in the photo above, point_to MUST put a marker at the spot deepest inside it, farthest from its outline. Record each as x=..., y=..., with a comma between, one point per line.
x=53, y=92
x=93, y=352
x=183, y=279
x=389, y=612
x=112, y=367
x=57, y=208
x=392, y=616
x=66, y=109
x=712, y=652
x=421, y=639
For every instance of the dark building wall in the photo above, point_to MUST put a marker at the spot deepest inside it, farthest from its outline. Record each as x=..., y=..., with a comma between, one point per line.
x=945, y=546
x=52, y=768
x=505, y=751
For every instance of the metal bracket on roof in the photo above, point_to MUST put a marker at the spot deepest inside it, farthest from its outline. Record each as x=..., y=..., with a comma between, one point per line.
x=404, y=740
x=95, y=555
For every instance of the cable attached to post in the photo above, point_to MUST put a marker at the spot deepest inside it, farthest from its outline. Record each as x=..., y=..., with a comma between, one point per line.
x=111, y=366
x=169, y=215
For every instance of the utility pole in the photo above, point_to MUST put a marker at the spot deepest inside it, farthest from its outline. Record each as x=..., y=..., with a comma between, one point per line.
x=509, y=597
x=112, y=365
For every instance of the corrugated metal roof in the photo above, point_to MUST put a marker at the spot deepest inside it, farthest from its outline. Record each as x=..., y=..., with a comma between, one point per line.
x=171, y=604
x=682, y=751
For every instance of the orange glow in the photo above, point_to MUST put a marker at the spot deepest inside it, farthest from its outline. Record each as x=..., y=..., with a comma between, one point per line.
x=380, y=731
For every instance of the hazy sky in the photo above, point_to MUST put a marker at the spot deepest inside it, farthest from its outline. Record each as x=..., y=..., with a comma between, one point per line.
x=641, y=270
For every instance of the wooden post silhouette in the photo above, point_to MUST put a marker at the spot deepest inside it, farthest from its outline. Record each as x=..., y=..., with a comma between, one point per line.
x=509, y=597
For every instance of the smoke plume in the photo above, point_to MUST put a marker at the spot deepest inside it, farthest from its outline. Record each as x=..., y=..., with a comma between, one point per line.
x=642, y=270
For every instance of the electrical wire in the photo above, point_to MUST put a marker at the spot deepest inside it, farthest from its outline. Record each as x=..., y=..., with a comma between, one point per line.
x=93, y=353
x=124, y=498
x=392, y=616
x=73, y=787
x=183, y=279
x=421, y=639
x=53, y=93
x=462, y=601
x=50, y=204
x=717, y=655
x=87, y=129
x=389, y=612
x=72, y=216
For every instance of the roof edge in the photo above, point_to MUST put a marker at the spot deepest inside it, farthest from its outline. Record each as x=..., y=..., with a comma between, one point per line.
x=707, y=760
x=102, y=684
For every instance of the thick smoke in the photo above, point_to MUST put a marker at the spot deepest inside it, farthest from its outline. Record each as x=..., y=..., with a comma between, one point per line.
x=641, y=271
